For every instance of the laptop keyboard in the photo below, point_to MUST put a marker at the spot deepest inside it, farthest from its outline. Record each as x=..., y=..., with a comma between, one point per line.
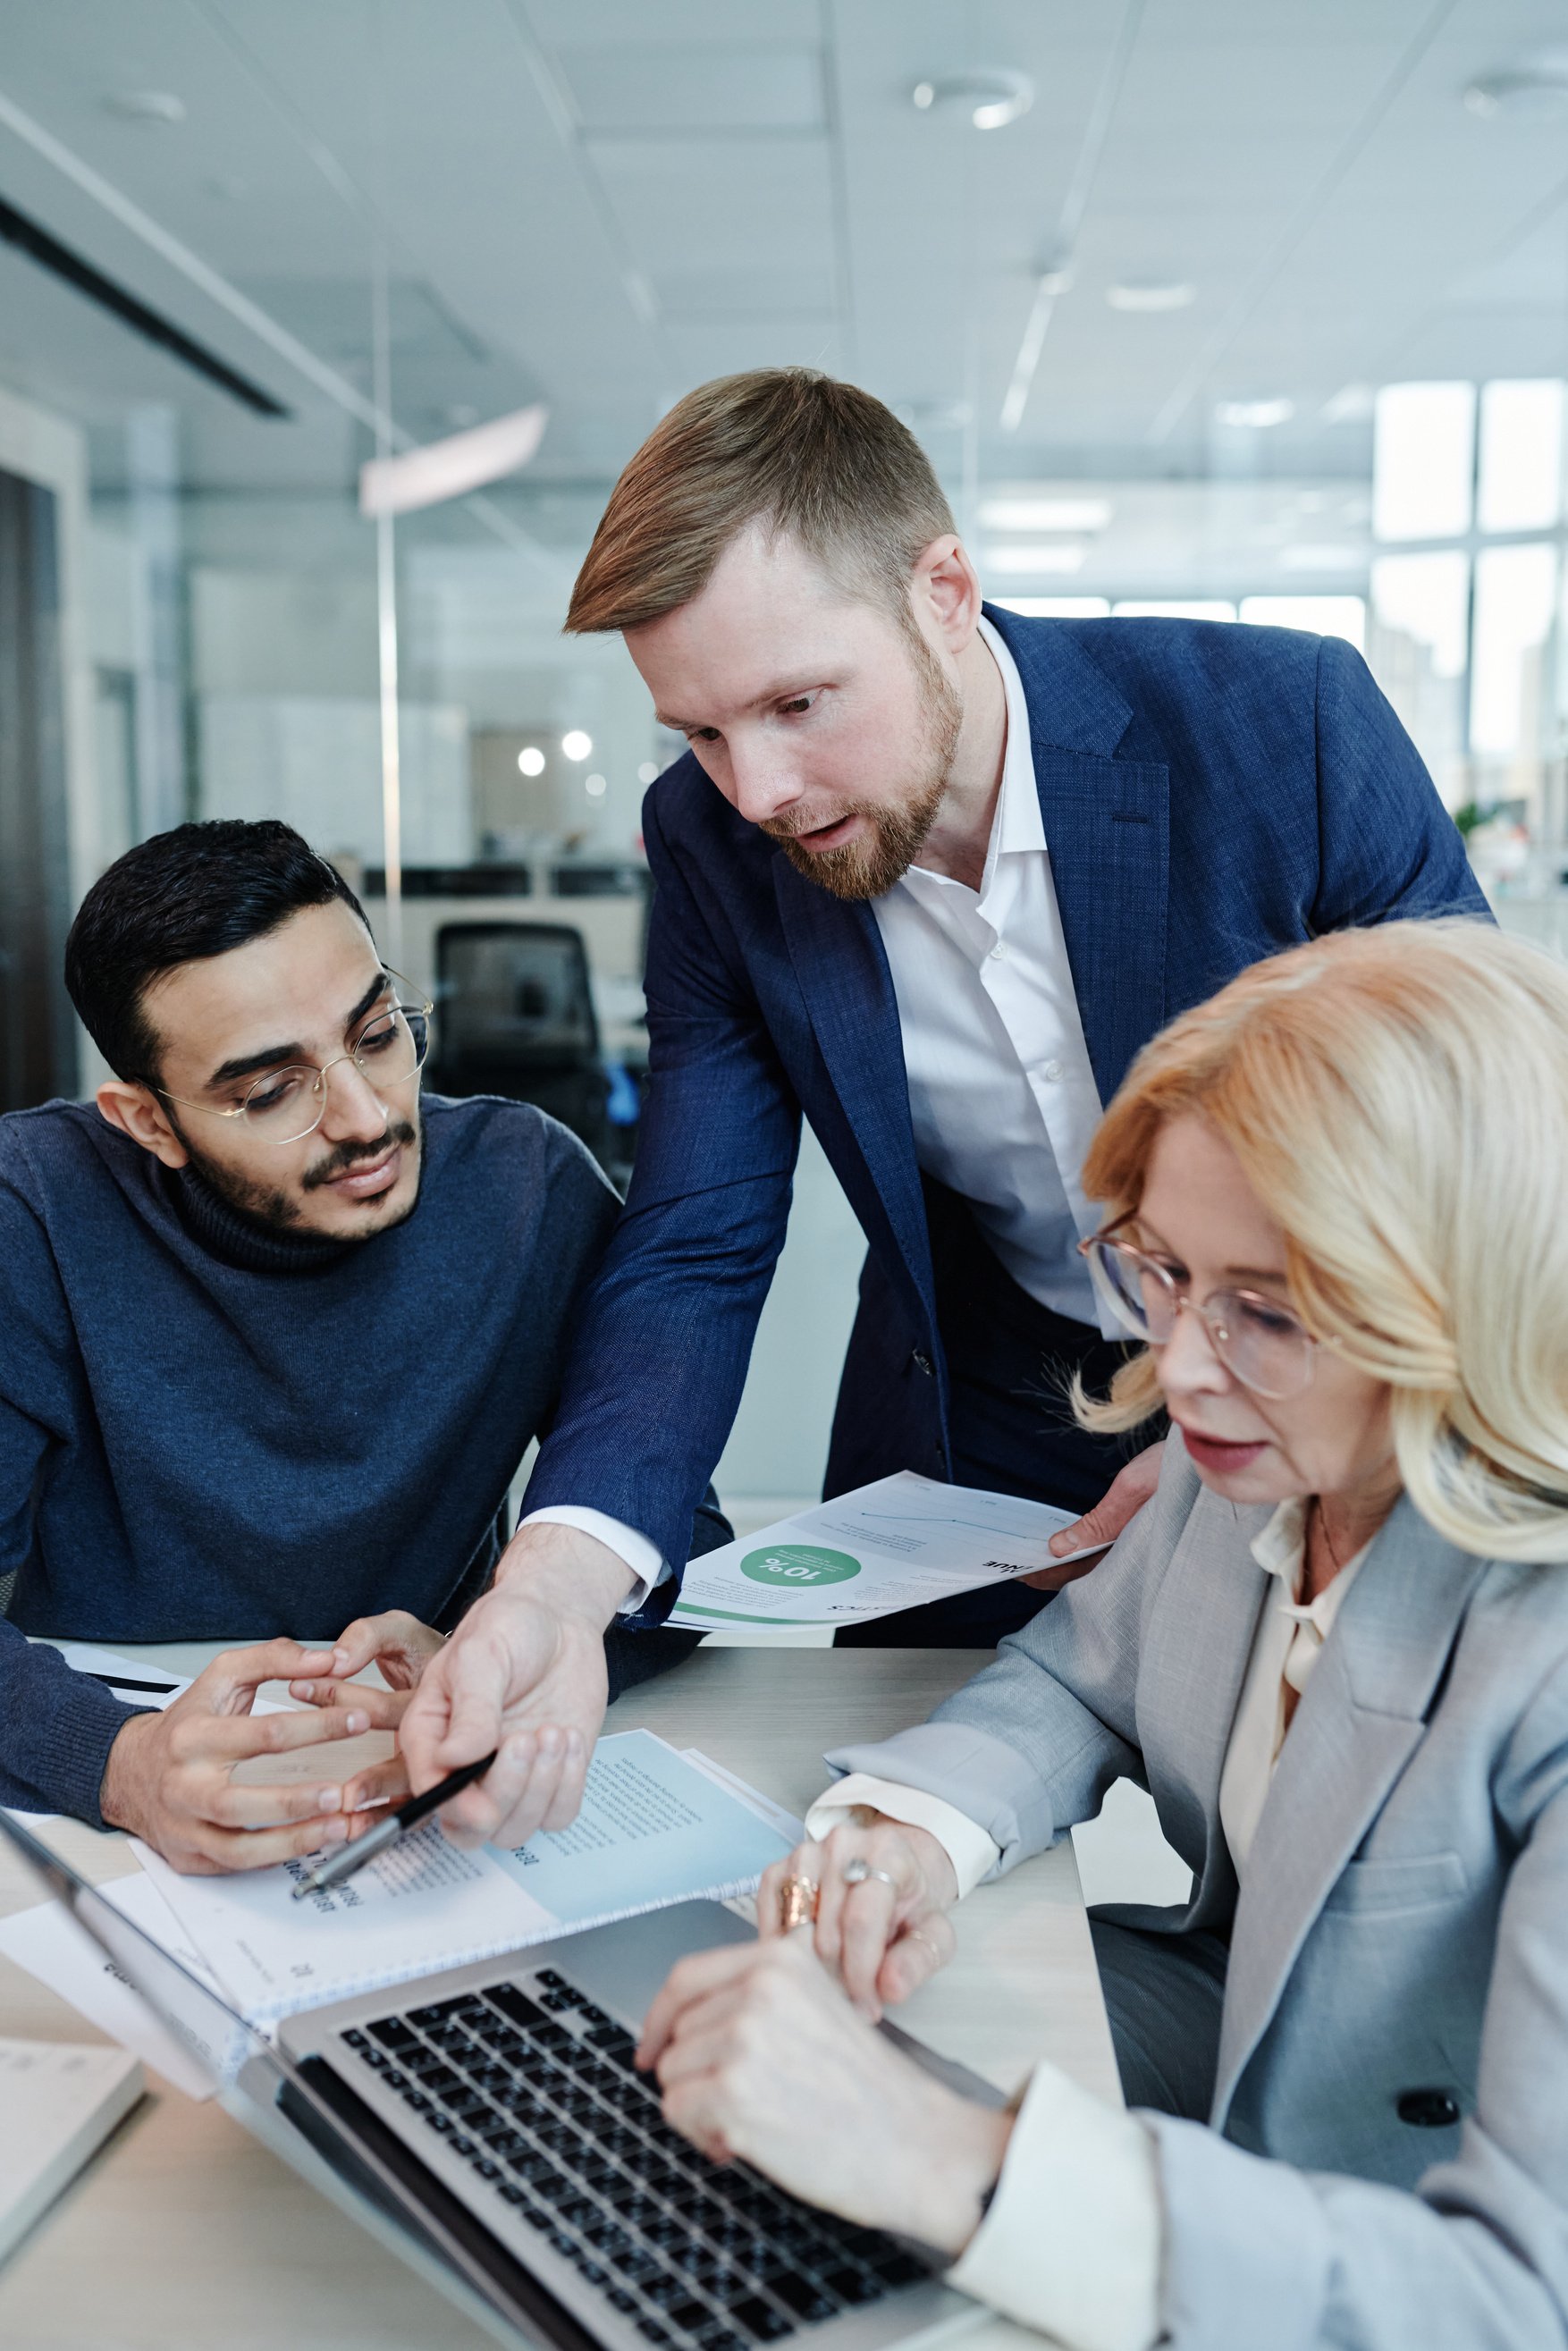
x=539, y=2097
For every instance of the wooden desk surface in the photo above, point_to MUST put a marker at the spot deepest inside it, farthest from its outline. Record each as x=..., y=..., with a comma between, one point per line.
x=187, y=2235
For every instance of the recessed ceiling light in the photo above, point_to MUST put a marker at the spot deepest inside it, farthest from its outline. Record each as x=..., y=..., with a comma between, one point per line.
x=1026, y=562
x=1527, y=90
x=991, y=99
x=146, y=105
x=1254, y=415
x=595, y=787
x=1152, y=298
x=532, y=760
x=1045, y=514
x=576, y=743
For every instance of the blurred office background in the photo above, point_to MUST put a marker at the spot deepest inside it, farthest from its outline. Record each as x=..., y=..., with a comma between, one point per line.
x=1239, y=308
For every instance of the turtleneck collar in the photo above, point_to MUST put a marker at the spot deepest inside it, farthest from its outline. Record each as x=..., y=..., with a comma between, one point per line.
x=244, y=1241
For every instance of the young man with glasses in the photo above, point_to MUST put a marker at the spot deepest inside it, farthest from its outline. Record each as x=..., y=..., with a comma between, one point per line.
x=275, y=1335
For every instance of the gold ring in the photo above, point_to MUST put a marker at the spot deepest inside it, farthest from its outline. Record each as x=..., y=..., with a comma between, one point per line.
x=797, y=1903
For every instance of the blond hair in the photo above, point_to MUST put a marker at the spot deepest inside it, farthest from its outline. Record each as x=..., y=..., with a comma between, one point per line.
x=1397, y=1098
x=821, y=461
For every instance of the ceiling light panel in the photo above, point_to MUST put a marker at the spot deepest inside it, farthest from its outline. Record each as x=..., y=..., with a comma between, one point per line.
x=695, y=93
x=1024, y=562
x=1151, y=299
x=1045, y=514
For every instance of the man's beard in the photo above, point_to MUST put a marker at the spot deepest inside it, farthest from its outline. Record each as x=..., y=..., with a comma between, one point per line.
x=279, y=1211
x=868, y=867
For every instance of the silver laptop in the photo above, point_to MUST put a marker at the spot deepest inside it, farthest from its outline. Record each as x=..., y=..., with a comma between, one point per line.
x=494, y=2112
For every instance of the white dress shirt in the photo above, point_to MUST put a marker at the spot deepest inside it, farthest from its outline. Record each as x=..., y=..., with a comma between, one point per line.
x=1001, y=1093
x=1074, y=2239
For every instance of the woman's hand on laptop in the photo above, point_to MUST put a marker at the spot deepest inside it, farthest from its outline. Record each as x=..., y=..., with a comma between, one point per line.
x=170, y=1776
x=884, y=1892
x=759, y=2055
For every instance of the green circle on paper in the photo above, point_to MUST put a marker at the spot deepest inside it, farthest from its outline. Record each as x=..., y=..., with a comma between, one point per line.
x=798, y=1566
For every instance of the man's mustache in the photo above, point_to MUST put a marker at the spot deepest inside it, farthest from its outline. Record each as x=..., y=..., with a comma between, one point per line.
x=344, y=1156
x=784, y=828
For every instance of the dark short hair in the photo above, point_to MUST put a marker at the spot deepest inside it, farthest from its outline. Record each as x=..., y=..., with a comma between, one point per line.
x=181, y=897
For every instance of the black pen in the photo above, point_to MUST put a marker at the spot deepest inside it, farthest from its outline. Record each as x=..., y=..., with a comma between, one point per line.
x=123, y=1681
x=350, y=1857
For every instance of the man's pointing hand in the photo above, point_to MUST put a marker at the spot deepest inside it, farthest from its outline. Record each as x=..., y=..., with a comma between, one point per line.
x=524, y=1673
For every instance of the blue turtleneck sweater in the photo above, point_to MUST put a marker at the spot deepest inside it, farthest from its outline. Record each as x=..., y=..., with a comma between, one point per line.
x=212, y=1432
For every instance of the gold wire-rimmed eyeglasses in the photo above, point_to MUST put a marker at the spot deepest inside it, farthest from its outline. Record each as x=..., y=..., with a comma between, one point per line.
x=286, y=1104
x=1261, y=1342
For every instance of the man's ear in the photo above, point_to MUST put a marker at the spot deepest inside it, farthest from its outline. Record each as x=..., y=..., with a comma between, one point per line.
x=137, y=1111
x=945, y=591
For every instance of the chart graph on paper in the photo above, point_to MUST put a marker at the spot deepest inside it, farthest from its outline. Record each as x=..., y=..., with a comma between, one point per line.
x=898, y=1543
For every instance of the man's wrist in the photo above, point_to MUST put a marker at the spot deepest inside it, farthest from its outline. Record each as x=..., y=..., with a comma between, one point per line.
x=120, y=1790
x=565, y=1570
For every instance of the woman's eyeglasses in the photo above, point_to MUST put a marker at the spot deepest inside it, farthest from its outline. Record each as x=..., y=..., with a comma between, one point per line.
x=1258, y=1340
x=284, y=1105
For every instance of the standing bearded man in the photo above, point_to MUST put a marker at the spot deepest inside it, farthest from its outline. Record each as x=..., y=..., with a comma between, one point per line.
x=930, y=876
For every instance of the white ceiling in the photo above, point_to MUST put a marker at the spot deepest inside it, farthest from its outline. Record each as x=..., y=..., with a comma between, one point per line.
x=602, y=201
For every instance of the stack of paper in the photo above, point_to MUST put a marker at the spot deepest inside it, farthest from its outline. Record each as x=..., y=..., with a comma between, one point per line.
x=59, y=2103
x=896, y=1544
x=654, y=1828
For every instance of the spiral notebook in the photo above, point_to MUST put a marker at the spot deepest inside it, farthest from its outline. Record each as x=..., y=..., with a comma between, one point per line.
x=654, y=1828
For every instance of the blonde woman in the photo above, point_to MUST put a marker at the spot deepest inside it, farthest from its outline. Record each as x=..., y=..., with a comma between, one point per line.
x=1334, y=1647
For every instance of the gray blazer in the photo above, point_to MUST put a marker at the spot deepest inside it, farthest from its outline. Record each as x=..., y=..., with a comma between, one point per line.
x=1404, y=1924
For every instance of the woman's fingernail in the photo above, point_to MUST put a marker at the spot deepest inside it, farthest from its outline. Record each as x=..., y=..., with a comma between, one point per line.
x=517, y=1751
x=549, y=1739
x=358, y=1721
x=329, y=1799
x=314, y=1661
x=340, y=1661
x=335, y=1831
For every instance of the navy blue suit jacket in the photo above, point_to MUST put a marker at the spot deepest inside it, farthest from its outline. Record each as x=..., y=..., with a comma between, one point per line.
x=1211, y=795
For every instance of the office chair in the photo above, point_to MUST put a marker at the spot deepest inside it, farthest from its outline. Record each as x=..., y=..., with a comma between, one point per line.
x=516, y=1017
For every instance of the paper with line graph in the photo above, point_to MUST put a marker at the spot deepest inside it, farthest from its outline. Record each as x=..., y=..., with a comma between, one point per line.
x=894, y=1545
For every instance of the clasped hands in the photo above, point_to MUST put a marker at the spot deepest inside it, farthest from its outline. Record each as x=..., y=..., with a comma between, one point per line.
x=171, y=1777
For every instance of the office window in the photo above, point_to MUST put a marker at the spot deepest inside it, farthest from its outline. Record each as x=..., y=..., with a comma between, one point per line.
x=1516, y=598
x=1519, y=482
x=1326, y=616
x=1423, y=460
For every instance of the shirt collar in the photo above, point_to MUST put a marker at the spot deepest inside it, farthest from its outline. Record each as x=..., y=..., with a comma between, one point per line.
x=1280, y=1550
x=1018, y=824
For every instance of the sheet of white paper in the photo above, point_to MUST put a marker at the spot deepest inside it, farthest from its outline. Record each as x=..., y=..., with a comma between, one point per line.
x=47, y=1943
x=898, y=1543
x=86, y=1658
x=652, y=1830
x=777, y=1818
x=422, y=1906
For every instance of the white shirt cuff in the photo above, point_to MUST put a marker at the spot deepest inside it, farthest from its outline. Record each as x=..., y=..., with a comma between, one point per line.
x=640, y=1555
x=1072, y=2241
x=972, y=1852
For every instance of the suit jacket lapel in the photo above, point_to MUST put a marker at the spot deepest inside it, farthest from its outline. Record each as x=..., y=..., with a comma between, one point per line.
x=1359, y=1721
x=1195, y=1650
x=842, y=970
x=1107, y=829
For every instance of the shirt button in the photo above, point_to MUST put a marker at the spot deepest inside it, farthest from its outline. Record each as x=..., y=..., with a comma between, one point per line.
x=999, y=953
x=1051, y=1072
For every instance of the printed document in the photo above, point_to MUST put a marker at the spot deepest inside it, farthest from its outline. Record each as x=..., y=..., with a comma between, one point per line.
x=653, y=1829
x=898, y=1543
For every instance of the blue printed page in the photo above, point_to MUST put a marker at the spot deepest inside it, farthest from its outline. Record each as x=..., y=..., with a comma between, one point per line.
x=652, y=1830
